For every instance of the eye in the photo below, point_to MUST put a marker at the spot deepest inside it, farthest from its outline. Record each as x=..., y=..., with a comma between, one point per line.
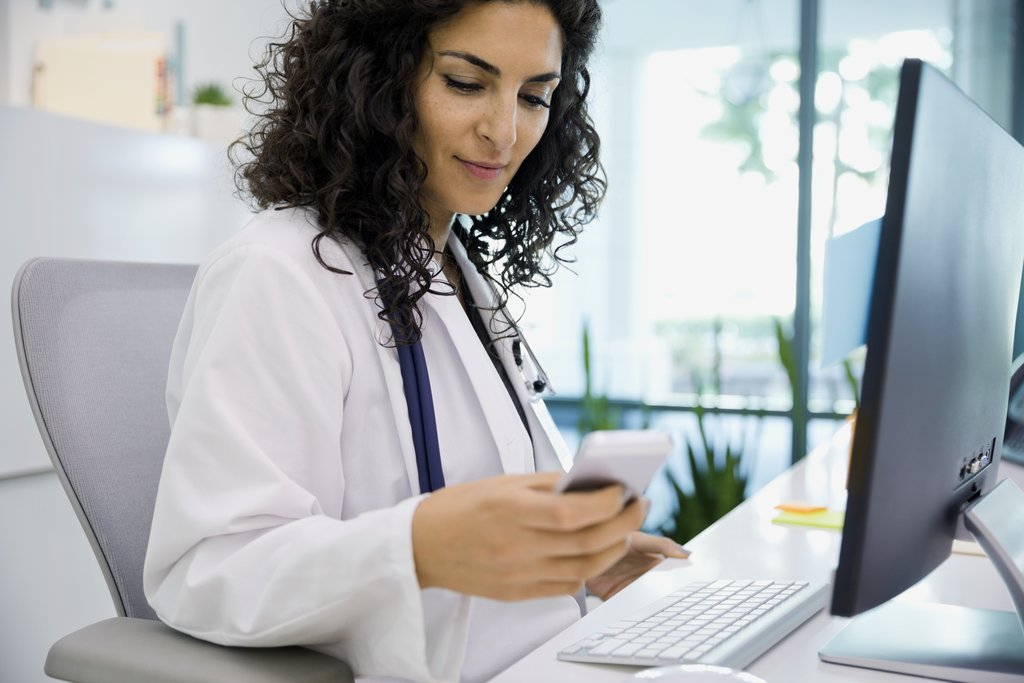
x=536, y=101
x=462, y=86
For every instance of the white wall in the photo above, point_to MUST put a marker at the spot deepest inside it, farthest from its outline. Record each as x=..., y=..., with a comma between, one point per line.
x=218, y=35
x=5, y=50
x=50, y=584
x=72, y=188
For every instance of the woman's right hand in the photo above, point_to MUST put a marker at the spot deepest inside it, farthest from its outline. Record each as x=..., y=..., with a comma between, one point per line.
x=511, y=538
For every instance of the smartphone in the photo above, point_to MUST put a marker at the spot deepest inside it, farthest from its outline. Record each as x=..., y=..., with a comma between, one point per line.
x=623, y=456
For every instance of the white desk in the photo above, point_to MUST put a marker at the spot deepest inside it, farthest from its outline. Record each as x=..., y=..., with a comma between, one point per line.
x=746, y=544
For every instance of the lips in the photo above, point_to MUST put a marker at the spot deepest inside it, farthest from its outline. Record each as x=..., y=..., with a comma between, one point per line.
x=482, y=170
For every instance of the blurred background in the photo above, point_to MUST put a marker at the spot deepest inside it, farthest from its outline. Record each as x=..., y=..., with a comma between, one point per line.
x=701, y=285
x=738, y=138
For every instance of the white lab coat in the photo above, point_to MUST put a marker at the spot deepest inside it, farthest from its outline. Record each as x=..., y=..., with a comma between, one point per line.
x=286, y=499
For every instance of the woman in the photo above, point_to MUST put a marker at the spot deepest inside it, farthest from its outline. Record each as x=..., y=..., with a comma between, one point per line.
x=291, y=508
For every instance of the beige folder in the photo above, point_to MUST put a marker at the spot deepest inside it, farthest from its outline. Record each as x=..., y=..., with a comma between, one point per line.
x=116, y=78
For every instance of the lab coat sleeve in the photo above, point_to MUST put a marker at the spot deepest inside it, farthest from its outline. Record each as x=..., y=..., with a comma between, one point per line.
x=247, y=545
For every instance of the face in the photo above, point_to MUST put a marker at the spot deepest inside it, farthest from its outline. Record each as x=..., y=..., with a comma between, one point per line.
x=482, y=97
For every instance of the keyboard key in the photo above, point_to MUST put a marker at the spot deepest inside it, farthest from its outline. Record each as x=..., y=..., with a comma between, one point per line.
x=653, y=609
x=674, y=653
x=607, y=646
x=627, y=650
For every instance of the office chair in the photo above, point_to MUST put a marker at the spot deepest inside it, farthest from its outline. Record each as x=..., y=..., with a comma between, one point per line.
x=94, y=340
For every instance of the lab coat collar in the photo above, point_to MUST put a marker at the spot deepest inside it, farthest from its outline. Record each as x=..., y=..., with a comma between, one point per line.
x=549, y=449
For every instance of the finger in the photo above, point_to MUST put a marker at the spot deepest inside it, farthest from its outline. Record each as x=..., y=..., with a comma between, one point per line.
x=591, y=540
x=582, y=567
x=657, y=545
x=538, y=481
x=570, y=511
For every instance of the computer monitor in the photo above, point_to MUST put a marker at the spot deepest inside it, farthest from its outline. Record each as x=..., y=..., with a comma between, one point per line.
x=929, y=430
x=1018, y=338
x=1013, y=437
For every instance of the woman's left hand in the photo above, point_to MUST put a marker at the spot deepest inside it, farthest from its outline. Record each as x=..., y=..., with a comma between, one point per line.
x=645, y=551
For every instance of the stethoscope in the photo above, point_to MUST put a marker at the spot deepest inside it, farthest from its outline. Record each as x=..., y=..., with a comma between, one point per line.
x=538, y=386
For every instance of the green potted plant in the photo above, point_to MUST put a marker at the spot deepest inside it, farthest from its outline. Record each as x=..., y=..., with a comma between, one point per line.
x=719, y=484
x=596, y=412
x=717, y=466
x=211, y=94
x=215, y=119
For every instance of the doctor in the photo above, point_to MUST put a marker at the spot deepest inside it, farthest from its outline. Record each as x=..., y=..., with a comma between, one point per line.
x=359, y=461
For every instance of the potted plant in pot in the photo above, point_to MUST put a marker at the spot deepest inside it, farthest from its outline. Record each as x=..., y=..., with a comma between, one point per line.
x=215, y=119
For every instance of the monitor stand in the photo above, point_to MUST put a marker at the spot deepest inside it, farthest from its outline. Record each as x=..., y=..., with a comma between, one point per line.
x=948, y=642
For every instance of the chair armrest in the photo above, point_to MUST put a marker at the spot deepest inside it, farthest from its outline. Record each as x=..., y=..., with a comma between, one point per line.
x=125, y=650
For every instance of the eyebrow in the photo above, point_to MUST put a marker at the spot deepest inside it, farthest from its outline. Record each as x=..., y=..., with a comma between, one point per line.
x=495, y=71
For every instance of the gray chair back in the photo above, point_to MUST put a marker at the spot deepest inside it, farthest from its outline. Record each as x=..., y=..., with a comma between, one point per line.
x=94, y=340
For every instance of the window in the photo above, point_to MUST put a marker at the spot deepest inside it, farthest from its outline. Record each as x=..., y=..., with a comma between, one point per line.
x=691, y=271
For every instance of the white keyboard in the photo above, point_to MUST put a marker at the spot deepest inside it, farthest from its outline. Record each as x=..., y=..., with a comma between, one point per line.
x=728, y=623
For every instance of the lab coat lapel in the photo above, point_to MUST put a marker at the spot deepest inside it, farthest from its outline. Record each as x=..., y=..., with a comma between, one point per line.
x=392, y=371
x=502, y=420
x=549, y=449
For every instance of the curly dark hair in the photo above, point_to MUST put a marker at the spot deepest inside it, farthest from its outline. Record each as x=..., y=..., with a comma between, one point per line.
x=335, y=131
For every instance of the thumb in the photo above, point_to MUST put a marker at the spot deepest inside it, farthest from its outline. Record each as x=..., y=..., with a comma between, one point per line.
x=657, y=545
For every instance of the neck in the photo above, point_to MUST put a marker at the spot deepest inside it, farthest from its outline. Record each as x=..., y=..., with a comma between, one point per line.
x=439, y=231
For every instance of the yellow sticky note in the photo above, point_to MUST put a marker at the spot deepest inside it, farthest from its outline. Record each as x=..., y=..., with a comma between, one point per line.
x=799, y=506
x=821, y=519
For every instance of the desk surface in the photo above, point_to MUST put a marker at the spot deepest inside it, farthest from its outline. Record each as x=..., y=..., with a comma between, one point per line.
x=746, y=544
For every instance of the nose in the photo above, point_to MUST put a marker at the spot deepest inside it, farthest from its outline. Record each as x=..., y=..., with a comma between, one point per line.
x=498, y=125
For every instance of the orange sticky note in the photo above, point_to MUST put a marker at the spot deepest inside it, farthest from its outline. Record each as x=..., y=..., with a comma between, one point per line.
x=800, y=507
